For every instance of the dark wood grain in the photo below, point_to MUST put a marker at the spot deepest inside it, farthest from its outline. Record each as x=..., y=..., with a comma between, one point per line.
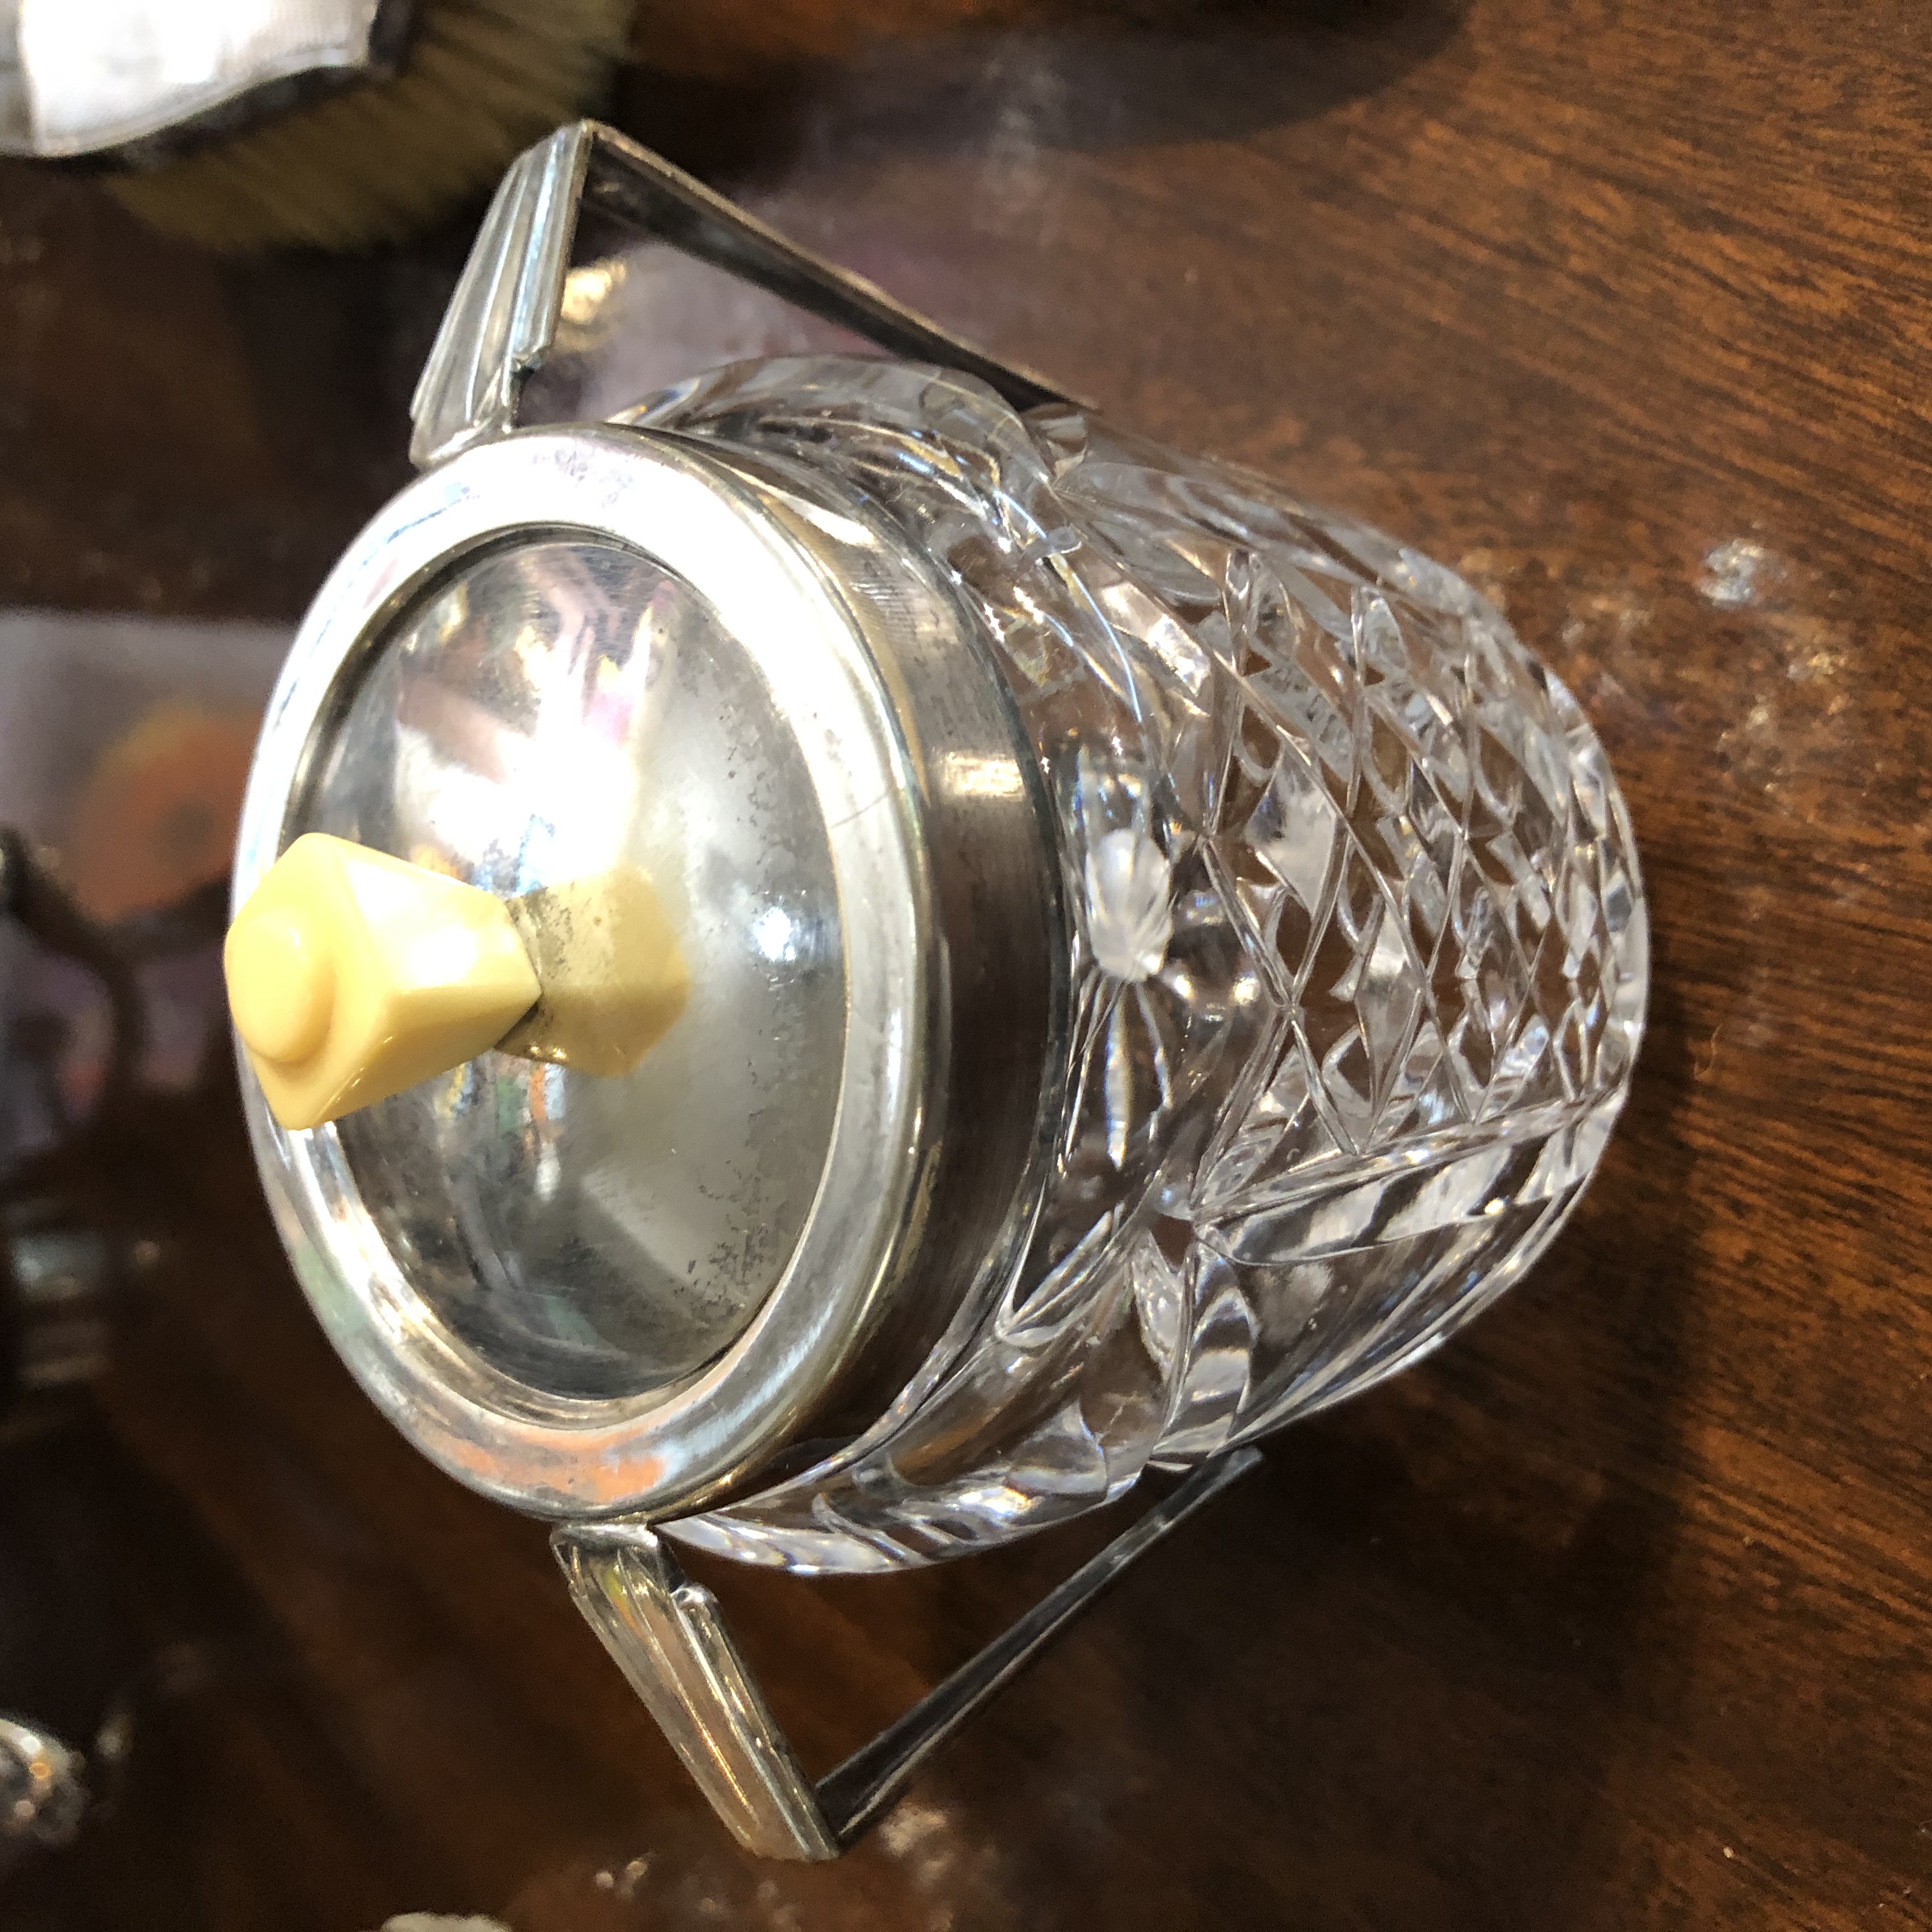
x=1614, y=1614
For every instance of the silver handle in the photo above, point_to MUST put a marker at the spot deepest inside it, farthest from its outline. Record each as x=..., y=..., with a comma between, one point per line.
x=669, y=1639
x=501, y=323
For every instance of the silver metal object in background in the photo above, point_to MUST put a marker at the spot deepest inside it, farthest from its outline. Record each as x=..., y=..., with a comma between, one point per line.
x=100, y=77
x=73, y=1253
x=61, y=1280
x=66, y=1263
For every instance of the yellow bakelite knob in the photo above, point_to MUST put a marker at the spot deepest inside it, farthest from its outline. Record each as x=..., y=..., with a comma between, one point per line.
x=281, y=982
x=353, y=976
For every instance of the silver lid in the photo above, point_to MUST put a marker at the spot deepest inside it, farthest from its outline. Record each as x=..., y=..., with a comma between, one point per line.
x=567, y=648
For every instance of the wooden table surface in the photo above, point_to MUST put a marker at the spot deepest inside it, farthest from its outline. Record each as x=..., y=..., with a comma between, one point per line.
x=1613, y=1614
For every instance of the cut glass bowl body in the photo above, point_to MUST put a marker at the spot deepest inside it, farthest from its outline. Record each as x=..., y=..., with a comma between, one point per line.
x=1358, y=954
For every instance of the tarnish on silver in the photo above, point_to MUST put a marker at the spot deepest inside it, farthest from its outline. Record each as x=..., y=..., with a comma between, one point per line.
x=501, y=321
x=549, y=1453
x=130, y=77
x=667, y=1636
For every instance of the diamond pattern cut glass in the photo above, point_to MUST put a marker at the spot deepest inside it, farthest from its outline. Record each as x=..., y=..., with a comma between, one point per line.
x=1359, y=953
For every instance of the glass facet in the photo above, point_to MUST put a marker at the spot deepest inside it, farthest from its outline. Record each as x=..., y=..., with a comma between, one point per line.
x=1360, y=952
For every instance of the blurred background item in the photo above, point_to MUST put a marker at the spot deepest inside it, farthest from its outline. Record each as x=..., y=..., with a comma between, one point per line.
x=241, y=124
x=245, y=124
x=123, y=743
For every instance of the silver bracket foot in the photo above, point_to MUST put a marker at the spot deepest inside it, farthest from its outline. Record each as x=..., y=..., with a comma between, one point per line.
x=669, y=1639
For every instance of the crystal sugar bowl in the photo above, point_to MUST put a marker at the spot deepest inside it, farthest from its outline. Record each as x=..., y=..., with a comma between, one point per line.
x=834, y=966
